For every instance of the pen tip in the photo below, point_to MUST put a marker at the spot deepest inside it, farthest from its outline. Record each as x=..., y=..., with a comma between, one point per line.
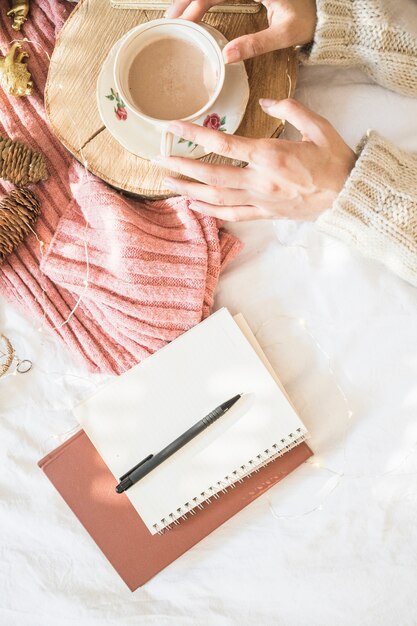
x=123, y=485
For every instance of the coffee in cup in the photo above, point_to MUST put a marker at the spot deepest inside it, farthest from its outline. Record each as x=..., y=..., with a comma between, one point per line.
x=169, y=69
x=171, y=79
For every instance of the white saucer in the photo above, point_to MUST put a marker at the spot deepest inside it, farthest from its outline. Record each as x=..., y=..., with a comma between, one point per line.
x=144, y=139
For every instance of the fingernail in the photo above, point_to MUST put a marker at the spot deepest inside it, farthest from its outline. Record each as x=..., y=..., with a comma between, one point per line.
x=175, y=127
x=169, y=184
x=231, y=55
x=266, y=102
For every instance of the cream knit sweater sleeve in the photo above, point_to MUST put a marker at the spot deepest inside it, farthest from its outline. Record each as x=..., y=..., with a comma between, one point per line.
x=365, y=33
x=377, y=209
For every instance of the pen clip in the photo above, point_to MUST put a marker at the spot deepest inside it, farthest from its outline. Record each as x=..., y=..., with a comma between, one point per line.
x=136, y=466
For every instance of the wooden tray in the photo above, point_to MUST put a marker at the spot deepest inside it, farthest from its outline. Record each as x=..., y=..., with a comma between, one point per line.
x=70, y=95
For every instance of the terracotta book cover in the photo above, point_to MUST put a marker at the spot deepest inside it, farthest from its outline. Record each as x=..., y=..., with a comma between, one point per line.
x=86, y=484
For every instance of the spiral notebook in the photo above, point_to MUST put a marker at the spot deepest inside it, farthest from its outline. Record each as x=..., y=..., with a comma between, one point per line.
x=86, y=484
x=146, y=408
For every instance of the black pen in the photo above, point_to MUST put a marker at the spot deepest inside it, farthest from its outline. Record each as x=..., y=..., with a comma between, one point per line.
x=153, y=460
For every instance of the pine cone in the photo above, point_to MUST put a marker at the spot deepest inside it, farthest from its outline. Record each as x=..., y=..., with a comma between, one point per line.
x=19, y=164
x=19, y=210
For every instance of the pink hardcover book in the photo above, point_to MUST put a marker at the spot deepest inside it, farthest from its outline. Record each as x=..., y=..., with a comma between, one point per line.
x=87, y=485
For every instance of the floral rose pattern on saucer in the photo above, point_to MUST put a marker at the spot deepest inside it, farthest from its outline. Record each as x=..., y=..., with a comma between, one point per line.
x=120, y=108
x=213, y=121
x=143, y=139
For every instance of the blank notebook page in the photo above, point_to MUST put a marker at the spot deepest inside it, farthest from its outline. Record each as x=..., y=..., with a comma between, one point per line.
x=145, y=409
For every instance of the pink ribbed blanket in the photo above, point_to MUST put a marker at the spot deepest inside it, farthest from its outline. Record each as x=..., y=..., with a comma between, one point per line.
x=135, y=274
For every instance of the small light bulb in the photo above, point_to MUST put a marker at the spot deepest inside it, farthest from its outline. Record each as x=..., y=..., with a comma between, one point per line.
x=302, y=321
x=320, y=507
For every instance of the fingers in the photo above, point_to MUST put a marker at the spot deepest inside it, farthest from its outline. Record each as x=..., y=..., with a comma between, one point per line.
x=252, y=45
x=231, y=146
x=177, y=8
x=313, y=127
x=190, y=9
x=237, y=213
x=213, y=175
x=196, y=10
x=214, y=195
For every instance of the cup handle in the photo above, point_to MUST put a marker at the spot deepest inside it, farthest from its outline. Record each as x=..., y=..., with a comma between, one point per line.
x=167, y=140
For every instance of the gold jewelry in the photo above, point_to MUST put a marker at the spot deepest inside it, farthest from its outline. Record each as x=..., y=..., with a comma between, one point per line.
x=23, y=365
x=9, y=355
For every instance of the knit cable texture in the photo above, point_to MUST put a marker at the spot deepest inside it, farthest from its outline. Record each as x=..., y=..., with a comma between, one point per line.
x=377, y=209
x=152, y=267
x=362, y=33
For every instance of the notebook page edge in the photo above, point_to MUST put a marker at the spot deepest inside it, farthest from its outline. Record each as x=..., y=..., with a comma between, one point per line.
x=244, y=327
x=228, y=324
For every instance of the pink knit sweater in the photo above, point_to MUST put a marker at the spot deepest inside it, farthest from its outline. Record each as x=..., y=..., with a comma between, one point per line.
x=115, y=278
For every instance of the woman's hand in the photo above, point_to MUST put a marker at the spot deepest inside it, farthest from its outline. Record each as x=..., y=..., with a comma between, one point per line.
x=283, y=179
x=291, y=23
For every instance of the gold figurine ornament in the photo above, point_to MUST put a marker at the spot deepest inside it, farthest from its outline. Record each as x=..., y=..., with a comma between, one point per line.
x=14, y=74
x=18, y=12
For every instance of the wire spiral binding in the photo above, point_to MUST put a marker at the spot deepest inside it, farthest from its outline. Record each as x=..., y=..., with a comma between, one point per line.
x=229, y=482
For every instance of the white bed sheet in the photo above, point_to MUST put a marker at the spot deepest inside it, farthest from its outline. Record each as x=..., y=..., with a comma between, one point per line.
x=319, y=548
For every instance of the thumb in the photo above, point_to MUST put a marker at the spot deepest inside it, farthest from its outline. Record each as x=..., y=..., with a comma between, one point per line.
x=252, y=45
x=313, y=127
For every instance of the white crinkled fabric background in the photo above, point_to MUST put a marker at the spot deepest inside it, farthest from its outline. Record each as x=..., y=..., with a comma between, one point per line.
x=329, y=545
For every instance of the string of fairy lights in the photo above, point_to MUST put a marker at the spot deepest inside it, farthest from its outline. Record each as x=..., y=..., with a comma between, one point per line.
x=314, y=462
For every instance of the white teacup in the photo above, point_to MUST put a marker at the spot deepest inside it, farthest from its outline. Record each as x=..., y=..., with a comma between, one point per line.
x=147, y=33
